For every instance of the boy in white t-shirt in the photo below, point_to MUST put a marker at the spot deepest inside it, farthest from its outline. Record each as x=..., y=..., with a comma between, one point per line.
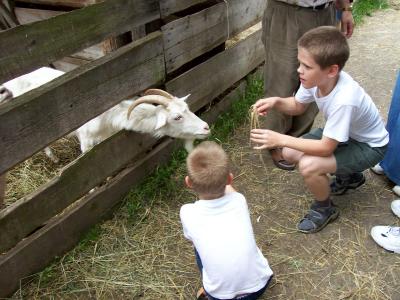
x=354, y=137
x=219, y=226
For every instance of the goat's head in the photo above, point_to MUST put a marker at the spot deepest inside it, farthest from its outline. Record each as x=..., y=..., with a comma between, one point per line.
x=174, y=117
x=5, y=94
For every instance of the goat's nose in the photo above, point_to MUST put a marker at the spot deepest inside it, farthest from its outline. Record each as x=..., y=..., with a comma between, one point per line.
x=206, y=128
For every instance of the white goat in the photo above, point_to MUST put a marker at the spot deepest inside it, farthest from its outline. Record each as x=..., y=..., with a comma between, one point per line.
x=171, y=117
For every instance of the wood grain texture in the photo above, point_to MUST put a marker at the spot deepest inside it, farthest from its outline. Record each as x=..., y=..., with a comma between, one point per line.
x=65, y=231
x=39, y=117
x=169, y=7
x=75, y=180
x=211, y=78
x=193, y=35
x=26, y=47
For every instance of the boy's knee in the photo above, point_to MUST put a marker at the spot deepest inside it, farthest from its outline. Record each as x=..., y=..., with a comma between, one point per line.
x=308, y=166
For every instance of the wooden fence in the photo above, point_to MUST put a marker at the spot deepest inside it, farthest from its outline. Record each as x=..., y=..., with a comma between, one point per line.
x=177, y=56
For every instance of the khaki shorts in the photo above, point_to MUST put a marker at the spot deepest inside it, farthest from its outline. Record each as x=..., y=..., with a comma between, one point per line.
x=351, y=156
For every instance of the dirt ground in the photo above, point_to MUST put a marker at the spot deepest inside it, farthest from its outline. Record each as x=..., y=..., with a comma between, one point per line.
x=148, y=258
x=342, y=261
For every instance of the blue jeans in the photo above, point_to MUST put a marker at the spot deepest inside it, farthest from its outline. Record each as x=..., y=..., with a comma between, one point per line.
x=391, y=162
x=252, y=296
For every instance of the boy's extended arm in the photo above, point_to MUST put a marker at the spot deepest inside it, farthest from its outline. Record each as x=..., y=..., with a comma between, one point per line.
x=271, y=139
x=287, y=106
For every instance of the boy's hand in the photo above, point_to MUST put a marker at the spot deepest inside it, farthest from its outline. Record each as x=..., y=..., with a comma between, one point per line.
x=262, y=106
x=266, y=138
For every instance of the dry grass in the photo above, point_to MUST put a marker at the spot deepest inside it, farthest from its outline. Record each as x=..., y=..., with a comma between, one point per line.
x=39, y=169
x=146, y=256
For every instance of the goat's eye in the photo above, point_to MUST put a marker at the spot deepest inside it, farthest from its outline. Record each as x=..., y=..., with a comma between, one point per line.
x=178, y=117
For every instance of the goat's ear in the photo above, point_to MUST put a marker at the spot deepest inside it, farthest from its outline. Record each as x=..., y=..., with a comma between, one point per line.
x=161, y=120
x=185, y=98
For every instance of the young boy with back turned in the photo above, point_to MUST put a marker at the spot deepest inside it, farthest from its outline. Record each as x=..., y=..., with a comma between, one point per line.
x=219, y=226
x=354, y=137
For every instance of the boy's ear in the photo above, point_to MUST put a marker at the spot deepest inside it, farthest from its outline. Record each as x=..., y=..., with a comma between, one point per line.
x=188, y=182
x=333, y=70
x=229, y=179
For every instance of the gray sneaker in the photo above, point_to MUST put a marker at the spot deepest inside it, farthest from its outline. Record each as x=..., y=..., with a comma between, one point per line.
x=343, y=183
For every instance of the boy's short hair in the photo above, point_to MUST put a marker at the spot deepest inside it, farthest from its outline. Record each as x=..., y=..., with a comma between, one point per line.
x=327, y=45
x=208, y=168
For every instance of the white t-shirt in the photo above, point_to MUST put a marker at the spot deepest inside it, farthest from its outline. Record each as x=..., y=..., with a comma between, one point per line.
x=222, y=234
x=349, y=112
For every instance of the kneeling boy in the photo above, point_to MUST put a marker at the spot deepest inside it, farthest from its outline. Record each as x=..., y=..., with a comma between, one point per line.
x=354, y=137
x=219, y=226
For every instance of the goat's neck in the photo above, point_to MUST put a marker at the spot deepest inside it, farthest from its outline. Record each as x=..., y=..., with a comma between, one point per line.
x=188, y=144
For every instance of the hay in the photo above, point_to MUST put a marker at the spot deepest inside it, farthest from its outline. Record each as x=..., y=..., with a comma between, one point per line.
x=147, y=257
x=26, y=177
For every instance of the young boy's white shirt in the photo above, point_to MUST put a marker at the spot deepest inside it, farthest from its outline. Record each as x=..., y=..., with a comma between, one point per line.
x=222, y=234
x=349, y=112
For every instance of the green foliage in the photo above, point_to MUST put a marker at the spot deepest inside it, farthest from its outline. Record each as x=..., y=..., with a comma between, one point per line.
x=47, y=274
x=160, y=184
x=90, y=237
x=364, y=8
x=228, y=121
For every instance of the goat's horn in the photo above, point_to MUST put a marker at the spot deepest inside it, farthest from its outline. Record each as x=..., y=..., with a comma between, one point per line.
x=156, y=99
x=159, y=92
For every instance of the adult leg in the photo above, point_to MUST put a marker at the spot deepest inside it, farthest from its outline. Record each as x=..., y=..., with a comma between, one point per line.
x=280, y=75
x=292, y=155
x=283, y=25
x=391, y=161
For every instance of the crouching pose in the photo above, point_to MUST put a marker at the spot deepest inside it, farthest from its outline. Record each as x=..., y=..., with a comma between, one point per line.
x=354, y=137
x=219, y=226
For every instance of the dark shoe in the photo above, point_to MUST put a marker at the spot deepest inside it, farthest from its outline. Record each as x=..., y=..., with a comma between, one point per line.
x=317, y=218
x=342, y=183
x=279, y=162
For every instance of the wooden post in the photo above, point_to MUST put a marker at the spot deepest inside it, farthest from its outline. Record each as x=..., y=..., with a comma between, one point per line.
x=7, y=15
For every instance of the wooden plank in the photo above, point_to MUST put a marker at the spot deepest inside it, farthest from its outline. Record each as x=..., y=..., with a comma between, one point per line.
x=243, y=14
x=30, y=15
x=196, y=34
x=26, y=47
x=67, y=3
x=211, y=78
x=61, y=234
x=65, y=231
x=68, y=64
x=225, y=104
x=76, y=97
x=75, y=181
x=169, y=7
